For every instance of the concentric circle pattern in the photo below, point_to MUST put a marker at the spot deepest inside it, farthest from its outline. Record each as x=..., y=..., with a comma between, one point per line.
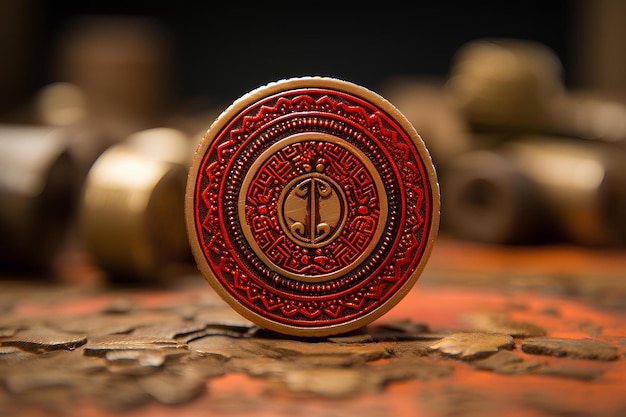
x=312, y=205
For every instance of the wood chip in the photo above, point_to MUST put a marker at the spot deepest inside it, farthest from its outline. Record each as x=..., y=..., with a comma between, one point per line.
x=225, y=347
x=168, y=388
x=43, y=339
x=408, y=328
x=134, y=362
x=102, y=345
x=571, y=348
x=470, y=346
x=290, y=347
x=327, y=382
x=507, y=362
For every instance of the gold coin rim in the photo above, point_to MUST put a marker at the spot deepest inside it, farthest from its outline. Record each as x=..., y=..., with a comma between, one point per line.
x=302, y=83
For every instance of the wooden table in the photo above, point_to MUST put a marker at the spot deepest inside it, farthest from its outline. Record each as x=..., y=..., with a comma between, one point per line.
x=571, y=292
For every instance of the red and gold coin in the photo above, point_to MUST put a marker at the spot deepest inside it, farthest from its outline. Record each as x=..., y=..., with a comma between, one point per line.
x=312, y=206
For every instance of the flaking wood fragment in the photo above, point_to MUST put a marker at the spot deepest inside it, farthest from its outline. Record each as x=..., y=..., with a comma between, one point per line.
x=474, y=345
x=332, y=382
x=131, y=356
x=572, y=348
x=507, y=362
x=40, y=339
x=100, y=346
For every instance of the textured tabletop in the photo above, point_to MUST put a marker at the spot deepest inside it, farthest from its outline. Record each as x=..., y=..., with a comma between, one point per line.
x=487, y=330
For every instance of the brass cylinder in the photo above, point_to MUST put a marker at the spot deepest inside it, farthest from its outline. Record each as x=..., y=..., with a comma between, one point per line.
x=487, y=198
x=537, y=188
x=584, y=183
x=122, y=66
x=39, y=183
x=505, y=84
x=131, y=214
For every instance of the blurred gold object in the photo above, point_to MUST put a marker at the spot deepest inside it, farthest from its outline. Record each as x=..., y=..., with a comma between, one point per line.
x=131, y=208
x=61, y=104
x=505, y=84
x=534, y=188
x=590, y=116
x=583, y=183
x=64, y=105
x=425, y=104
x=546, y=163
x=163, y=143
x=39, y=182
x=122, y=66
x=515, y=86
x=487, y=198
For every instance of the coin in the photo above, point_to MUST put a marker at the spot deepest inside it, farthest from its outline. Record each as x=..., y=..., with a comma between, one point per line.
x=312, y=206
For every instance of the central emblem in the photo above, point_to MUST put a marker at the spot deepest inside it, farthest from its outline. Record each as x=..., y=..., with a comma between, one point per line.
x=312, y=208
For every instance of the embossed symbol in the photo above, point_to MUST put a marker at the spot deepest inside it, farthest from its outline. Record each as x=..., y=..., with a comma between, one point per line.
x=312, y=208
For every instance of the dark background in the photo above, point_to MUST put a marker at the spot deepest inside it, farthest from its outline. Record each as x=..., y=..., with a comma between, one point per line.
x=218, y=51
x=224, y=49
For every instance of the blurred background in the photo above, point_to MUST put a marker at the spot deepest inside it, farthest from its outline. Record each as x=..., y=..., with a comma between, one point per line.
x=521, y=103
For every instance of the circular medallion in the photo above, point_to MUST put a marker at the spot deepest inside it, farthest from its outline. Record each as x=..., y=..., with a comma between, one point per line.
x=312, y=206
